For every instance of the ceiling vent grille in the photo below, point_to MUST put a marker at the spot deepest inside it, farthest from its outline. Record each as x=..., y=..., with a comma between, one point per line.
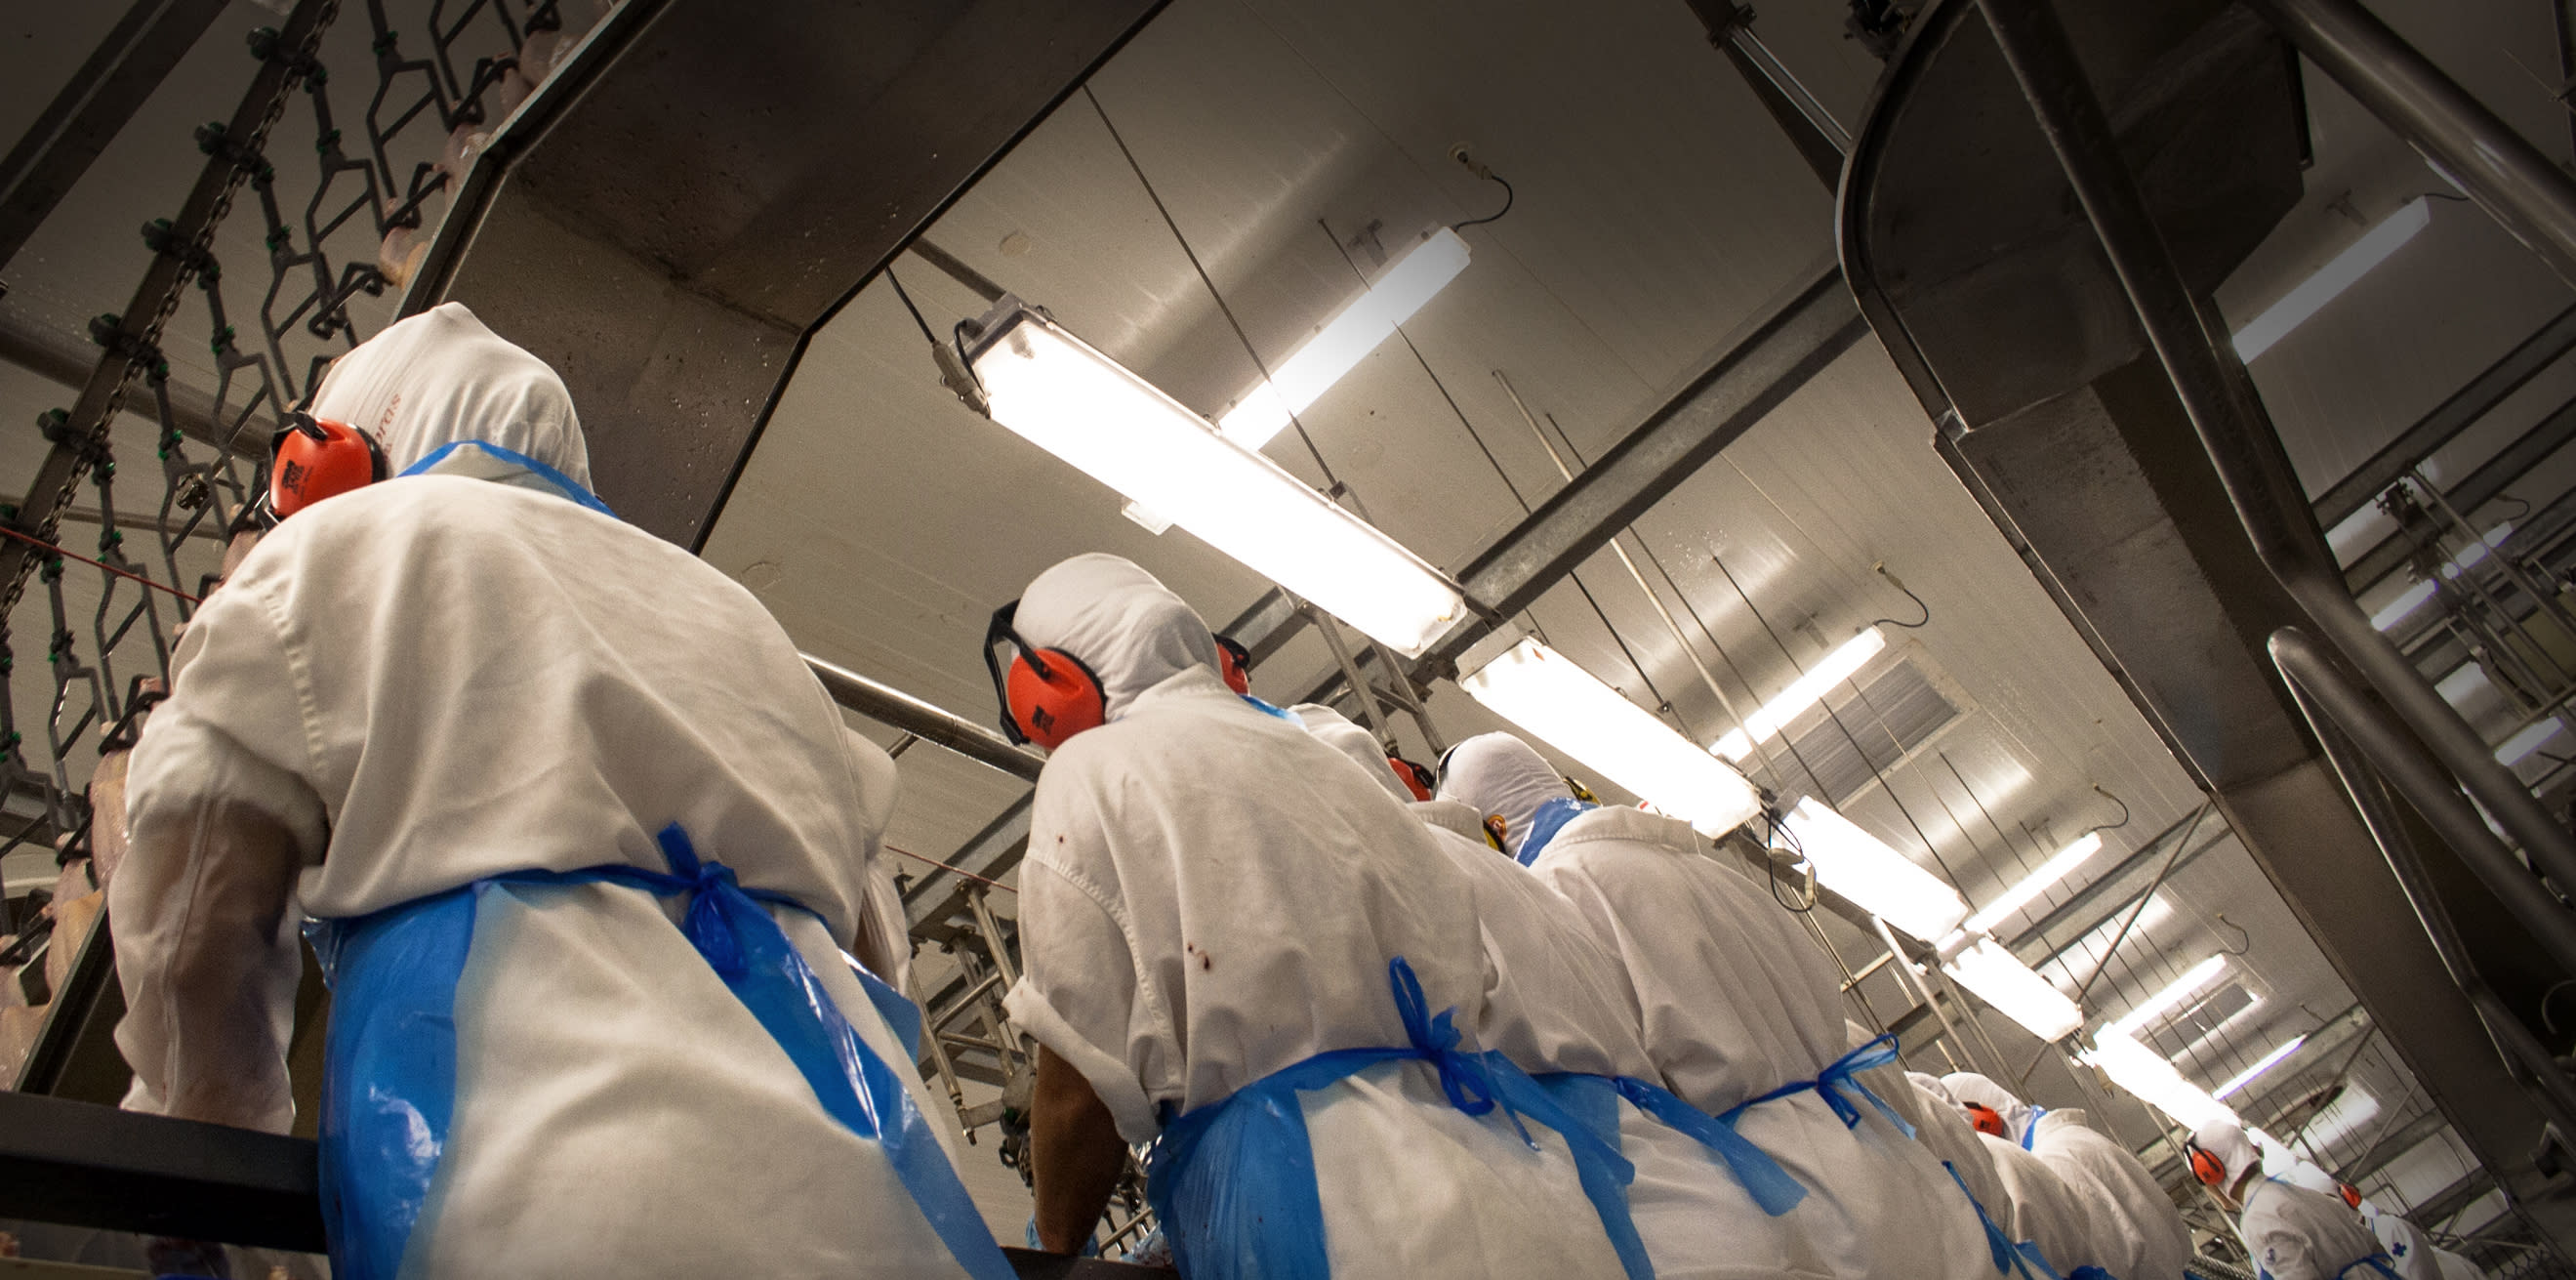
x=1897, y=710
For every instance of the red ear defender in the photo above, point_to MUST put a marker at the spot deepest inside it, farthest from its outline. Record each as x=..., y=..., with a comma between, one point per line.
x=2350, y=1193
x=312, y=459
x=1048, y=694
x=2211, y=1170
x=1415, y=778
x=1234, y=662
x=1985, y=1119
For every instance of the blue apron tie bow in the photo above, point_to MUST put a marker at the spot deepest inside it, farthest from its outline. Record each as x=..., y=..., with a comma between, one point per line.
x=1251, y=1209
x=392, y=1052
x=1836, y=1082
x=1997, y=1243
x=1770, y=1185
x=2030, y=1129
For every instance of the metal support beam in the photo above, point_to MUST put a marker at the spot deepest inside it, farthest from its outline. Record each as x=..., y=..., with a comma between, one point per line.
x=88, y=1165
x=93, y=106
x=2508, y=177
x=2076, y=914
x=896, y=709
x=2481, y=487
x=2405, y=1138
x=2474, y=400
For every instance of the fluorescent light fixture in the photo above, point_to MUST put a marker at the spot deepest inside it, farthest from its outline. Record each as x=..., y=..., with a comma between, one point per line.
x=2036, y=883
x=1563, y=705
x=1808, y=689
x=2331, y=280
x=2175, y=992
x=1065, y=397
x=2519, y=747
x=2154, y=1081
x=1346, y=339
x=2462, y=683
x=2261, y=1065
x=2408, y=602
x=2476, y=552
x=2000, y=979
x=1862, y=867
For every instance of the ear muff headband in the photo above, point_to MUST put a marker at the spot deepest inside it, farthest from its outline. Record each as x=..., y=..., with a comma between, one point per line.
x=1047, y=695
x=1234, y=662
x=311, y=459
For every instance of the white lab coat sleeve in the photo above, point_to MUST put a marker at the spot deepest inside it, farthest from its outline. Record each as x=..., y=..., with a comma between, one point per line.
x=1079, y=991
x=202, y=910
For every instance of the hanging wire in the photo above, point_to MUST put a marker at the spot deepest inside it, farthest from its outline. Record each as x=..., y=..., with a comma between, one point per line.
x=1662, y=703
x=1497, y=215
x=42, y=545
x=926, y=334
x=1880, y=568
x=1332, y=483
x=2124, y=809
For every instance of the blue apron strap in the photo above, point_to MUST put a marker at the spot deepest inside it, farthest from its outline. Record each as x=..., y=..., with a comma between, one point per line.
x=901, y=1015
x=2378, y=1262
x=1997, y=1243
x=751, y=953
x=2030, y=1128
x=556, y=480
x=2034, y=1263
x=1770, y=1185
x=2090, y=1273
x=1553, y=813
x=1604, y=1173
x=1838, y=1079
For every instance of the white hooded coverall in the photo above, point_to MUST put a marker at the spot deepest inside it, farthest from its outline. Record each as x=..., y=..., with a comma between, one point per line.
x=1556, y=1002
x=2139, y=1233
x=2298, y=1234
x=2415, y=1257
x=1940, y=1126
x=1212, y=896
x=434, y=680
x=1736, y=1002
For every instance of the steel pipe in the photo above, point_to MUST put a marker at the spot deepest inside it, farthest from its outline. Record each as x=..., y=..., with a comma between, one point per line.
x=2219, y=399
x=2507, y=176
x=2340, y=715
x=894, y=708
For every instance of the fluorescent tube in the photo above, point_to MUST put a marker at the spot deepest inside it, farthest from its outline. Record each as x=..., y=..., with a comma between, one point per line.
x=2519, y=747
x=2154, y=1081
x=2407, y=602
x=2266, y=1063
x=2413, y=597
x=2175, y=992
x=1883, y=882
x=1564, y=706
x=1805, y=692
x=1346, y=339
x=1065, y=397
x=2331, y=280
x=2000, y=979
x=2037, y=882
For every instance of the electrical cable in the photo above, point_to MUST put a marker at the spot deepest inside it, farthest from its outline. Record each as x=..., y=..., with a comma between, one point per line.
x=1663, y=703
x=899, y=292
x=2124, y=809
x=1332, y=483
x=47, y=546
x=1497, y=215
x=2245, y=940
x=1880, y=568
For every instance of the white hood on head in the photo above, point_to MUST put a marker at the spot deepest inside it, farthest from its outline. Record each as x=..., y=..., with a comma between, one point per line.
x=1499, y=775
x=1931, y=1086
x=2226, y=1139
x=1120, y=621
x=440, y=377
x=1335, y=730
x=1968, y=1086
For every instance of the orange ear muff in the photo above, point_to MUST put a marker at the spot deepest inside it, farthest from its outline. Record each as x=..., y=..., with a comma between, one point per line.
x=1053, y=697
x=1986, y=1119
x=1495, y=830
x=1234, y=662
x=313, y=459
x=1415, y=778
x=2211, y=1170
x=2350, y=1193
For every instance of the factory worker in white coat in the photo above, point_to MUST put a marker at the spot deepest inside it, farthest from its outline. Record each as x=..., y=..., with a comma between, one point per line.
x=1234, y=942
x=1557, y=1004
x=2294, y=1233
x=2134, y=1228
x=2416, y=1257
x=1939, y=1125
x=498, y=743
x=1736, y=1004
x=2047, y=1213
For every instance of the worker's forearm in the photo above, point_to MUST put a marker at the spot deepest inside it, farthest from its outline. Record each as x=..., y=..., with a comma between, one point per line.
x=1076, y=1156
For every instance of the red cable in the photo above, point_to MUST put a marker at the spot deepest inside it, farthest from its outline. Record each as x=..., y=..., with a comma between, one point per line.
x=109, y=567
x=957, y=870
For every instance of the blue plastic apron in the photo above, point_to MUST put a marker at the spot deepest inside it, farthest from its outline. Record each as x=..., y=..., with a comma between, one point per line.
x=1552, y=815
x=1233, y=1182
x=389, y=1086
x=1595, y=1100
x=1836, y=1083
